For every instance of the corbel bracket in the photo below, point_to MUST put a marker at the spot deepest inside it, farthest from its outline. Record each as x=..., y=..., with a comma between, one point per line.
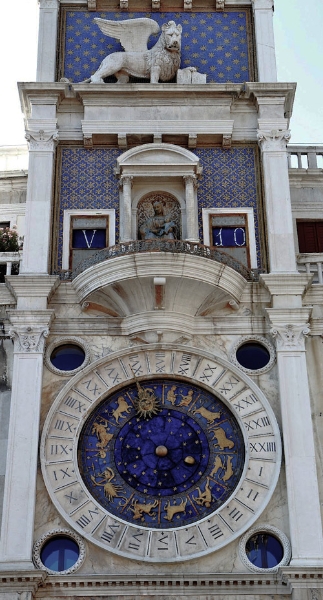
x=91, y=4
x=219, y=5
x=227, y=142
x=88, y=142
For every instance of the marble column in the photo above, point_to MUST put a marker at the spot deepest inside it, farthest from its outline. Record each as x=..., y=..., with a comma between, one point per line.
x=192, y=228
x=289, y=328
x=265, y=41
x=42, y=146
x=29, y=331
x=125, y=208
x=279, y=221
x=47, y=40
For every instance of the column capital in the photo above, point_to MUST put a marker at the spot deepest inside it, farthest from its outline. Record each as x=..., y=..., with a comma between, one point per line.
x=49, y=4
x=126, y=180
x=30, y=329
x=263, y=4
x=273, y=140
x=190, y=179
x=41, y=140
x=290, y=337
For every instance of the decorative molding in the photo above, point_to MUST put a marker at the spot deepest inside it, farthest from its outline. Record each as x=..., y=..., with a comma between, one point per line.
x=263, y=528
x=276, y=139
x=253, y=338
x=42, y=140
x=55, y=533
x=188, y=5
x=29, y=339
x=124, y=4
x=67, y=340
x=91, y=5
x=155, y=4
x=290, y=337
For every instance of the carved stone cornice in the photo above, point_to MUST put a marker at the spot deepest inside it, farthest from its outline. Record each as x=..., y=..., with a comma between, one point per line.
x=276, y=139
x=290, y=337
x=42, y=140
x=286, y=284
x=19, y=581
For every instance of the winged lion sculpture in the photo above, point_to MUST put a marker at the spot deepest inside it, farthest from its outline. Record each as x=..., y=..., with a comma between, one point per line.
x=160, y=63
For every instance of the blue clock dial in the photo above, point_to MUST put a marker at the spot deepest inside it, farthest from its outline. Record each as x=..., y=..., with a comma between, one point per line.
x=161, y=453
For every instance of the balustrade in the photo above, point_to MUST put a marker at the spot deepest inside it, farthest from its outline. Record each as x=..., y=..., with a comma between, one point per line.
x=305, y=157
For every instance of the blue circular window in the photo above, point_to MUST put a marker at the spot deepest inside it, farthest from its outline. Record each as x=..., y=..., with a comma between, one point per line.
x=67, y=357
x=252, y=355
x=59, y=553
x=264, y=550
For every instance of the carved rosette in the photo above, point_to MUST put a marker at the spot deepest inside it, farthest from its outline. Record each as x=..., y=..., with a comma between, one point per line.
x=42, y=140
x=290, y=337
x=276, y=139
x=29, y=339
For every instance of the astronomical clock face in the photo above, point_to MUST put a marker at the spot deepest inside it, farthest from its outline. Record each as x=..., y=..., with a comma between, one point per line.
x=161, y=455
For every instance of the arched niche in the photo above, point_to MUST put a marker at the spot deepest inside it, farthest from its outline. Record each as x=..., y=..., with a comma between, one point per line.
x=158, y=168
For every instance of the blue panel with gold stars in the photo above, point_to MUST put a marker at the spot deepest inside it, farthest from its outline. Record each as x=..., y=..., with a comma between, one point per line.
x=214, y=43
x=161, y=453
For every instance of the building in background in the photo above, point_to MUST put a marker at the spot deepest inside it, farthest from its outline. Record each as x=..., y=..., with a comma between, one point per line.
x=162, y=342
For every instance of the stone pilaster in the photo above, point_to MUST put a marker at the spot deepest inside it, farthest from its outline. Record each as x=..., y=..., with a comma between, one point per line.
x=29, y=330
x=47, y=40
x=42, y=144
x=290, y=328
x=126, y=182
x=265, y=41
x=192, y=231
x=279, y=222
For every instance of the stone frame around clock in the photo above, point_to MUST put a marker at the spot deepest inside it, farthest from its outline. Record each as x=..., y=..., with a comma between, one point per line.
x=87, y=389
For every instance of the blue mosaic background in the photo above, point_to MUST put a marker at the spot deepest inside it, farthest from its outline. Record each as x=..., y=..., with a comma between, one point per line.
x=88, y=182
x=213, y=42
x=121, y=467
x=228, y=181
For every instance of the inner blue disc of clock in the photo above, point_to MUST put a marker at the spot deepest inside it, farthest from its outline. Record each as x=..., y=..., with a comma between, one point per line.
x=161, y=453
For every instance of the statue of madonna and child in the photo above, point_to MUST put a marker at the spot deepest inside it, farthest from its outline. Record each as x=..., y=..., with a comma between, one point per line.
x=159, y=226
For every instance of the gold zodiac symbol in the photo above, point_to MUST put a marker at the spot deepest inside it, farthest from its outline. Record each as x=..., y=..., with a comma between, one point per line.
x=123, y=407
x=174, y=509
x=139, y=510
x=221, y=439
x=207, y=414
x=111, y=490
x=204, y=498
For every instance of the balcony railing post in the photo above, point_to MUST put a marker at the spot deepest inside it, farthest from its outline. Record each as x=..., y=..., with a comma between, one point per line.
x=9, y=266
x=312, y=160
x=319, y=272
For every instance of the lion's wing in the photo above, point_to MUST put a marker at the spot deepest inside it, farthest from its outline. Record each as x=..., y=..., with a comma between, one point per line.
x=133, y=34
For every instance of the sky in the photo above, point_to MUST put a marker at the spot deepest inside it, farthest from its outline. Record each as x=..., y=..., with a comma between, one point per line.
x=299, y=47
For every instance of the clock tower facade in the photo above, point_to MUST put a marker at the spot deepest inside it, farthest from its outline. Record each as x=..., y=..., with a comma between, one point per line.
x=161, y=430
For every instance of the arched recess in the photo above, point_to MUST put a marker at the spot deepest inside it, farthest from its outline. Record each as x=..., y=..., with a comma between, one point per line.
x=158, y=167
